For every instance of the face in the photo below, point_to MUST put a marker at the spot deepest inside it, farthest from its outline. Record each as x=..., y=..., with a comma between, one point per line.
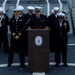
x=21, y=12
x=60, y=19
x=16, y=14
x=37, y=13
x=1, y=13
x=55, y=12
x=30, y=11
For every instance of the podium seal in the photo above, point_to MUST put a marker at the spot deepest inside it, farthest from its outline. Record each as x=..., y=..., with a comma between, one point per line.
x=38, y=40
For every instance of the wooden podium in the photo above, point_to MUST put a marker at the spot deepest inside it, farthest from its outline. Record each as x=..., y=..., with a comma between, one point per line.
x=38, y=50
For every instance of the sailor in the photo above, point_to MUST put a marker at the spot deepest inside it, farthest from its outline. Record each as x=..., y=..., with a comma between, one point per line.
x=39, y=21
x=51, y=19
x=30, y=12
x=61, y=28
x=16, y=24
x=4, y=22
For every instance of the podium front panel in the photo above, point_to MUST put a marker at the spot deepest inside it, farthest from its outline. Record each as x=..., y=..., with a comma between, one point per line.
x=38, y=50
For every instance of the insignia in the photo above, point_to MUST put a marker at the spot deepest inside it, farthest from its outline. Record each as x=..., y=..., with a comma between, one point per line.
x=38, y=40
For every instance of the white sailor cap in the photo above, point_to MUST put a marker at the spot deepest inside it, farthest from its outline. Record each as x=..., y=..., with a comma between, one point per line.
x=1, y=9
x=30, y=8
x=38, y=8
x=20, y=7
x=15, y=9
x=56, y=8
x=61, y=14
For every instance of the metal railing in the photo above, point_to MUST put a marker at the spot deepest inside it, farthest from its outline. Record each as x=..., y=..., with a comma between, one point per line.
x=72, y=22
x=32, y=1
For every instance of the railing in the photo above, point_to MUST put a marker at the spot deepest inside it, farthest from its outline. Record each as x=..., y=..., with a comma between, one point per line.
x=72, y=22
x=25, y=1
x=32, y=1
x=56, y=1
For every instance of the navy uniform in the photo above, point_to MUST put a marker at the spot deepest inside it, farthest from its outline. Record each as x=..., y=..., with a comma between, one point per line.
x=61, y=28
x=30, y=12
x=51, y=19
x=28, y=16
x=16, y=24
x=38, y=21
x=4, y=22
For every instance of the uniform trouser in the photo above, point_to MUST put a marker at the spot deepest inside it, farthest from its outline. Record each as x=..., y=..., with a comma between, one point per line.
x=51, y=41
x=25, y=43
x=4, y=41
x=61, y=48
x=18, y=46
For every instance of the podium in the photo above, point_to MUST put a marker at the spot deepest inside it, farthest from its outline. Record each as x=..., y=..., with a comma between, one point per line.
x=38, y=50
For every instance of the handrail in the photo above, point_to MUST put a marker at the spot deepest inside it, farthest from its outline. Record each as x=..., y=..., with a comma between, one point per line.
x=4, y=5
x=18, y=1
x=60, y=3
x=48, y=7
x=72, y=22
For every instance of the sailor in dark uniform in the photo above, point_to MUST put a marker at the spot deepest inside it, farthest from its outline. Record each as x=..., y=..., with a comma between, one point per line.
x=16, y=24
x=21, y=11
x=61, y=28
x=38, y=21
x=27, y=17
x=30, y=12
x=4, y=22
x=51, y=19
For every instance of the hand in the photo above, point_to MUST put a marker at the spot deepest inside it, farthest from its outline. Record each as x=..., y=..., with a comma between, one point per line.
x=17, y=37
x=46, y=27
x=65, y=24
x=29, y=28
